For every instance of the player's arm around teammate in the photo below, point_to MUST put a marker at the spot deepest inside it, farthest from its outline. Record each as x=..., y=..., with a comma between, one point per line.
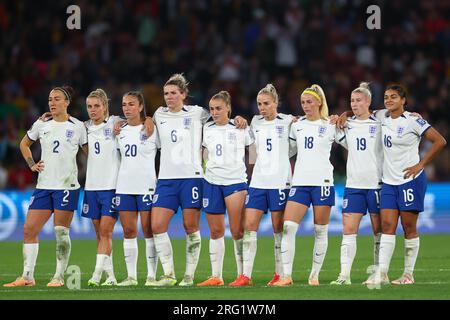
x=362, y=139
x=57, y=188
x=270, y=182
x=102, y=167
x=225, y=184
x=404, y=180
x=135, y=187
x=312, y=183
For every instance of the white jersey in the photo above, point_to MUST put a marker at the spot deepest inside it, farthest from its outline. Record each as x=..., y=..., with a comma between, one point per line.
x=365, y=153
x=401, y=139
x=314, y=140
x=103, y=157
x=272, y=168
x=137, y=173
x=180, y=134
x=226, y=153
x=60, y=142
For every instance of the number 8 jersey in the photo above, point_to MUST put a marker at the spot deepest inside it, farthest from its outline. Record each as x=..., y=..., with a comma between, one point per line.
x=60, y=142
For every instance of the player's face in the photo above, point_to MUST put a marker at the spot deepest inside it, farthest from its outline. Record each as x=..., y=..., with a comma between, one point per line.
x=57, y=102
x=359, y=103
x=310, y=105
x=266, y=105
x=96, y=110
x=219, y=110
x=131, y=107
x=173, y=97
x=393, y=101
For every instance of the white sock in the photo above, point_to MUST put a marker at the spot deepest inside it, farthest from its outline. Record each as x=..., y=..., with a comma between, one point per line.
x=216, y=254
x=348, y=252
x=193, y=246
x=63, y=247
x=387, y=246
x=249, y=247
x=411, y=252
x=288, y=246
x=277, y=251
x=152, y=257
x=165, y=253
x=376, y=248
x=108, y=266
x=130, y=251
x=99, y=265
x=238, y=247
x=30, y=253
x=320, y=249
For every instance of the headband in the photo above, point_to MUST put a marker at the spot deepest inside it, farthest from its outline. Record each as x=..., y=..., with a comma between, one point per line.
x=314, y=94
x=64, y=91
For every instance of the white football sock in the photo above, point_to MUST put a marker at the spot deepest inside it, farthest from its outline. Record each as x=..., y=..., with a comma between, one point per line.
x=216, y=254
x=376, y=248
x=30, y=253
x=387, y=246
x=288, y=247
x=411, y=252
x=165, y=253
x=108, y=266
x=130, y=251
x=99, y=265
x=348, y=252
x=238, y=247
x=193, y=246
x=63, y=247
x=152, y=257
x=249, y=247
x=277, y=251
x=320, y=249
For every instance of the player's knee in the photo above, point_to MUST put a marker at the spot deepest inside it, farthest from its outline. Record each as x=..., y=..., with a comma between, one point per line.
x=105, y=234
x=236, y=235
x=387, y=227
x=217, y=233
x=29, y=232
x=129, y=232
x=190, y=227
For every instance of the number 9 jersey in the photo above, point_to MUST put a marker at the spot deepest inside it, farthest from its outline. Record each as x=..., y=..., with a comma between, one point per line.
x=60, y=142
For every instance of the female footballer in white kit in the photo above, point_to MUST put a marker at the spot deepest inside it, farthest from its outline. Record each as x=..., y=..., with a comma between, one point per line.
x=271, y=179
x=362, y=190
x=312, y=183
x=180, y=180
x=135, y=187
x=225, y=185
x=57, y=188
x=404, y=181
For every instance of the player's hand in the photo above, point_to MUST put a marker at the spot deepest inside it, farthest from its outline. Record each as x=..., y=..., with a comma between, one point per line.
x=149, y=126
x=333, y=119
x=342, y=121
x=118, y=127
x=38, y=167
x=240, y=122
x=412, y=171
x=47, y=115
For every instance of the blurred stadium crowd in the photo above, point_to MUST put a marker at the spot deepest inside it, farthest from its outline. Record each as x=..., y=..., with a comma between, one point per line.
x=231, y=45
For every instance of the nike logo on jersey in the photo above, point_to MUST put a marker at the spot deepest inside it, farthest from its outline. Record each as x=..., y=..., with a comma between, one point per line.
x=121, y=138
x=299, y=130
x=162, y=122
x=46, y=132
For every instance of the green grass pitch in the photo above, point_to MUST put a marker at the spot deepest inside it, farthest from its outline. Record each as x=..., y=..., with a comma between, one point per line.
x=432, y=273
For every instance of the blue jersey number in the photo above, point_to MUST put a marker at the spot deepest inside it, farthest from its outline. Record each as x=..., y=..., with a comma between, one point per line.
x=387, y=141
x=269, y=144
x=218, y=150
x=309, y=142
x=130, y=150
x=361, y=144
x=173, y=135
x=55, y=146
x=97, y=147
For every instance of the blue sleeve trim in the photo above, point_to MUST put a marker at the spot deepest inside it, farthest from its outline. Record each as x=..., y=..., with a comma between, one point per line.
x=292, y=139
x=30, y=137
x=342, y=138
x=425, y=131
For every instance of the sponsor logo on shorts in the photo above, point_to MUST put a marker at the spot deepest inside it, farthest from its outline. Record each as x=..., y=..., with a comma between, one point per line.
x=155, y=198
x=292, y=192
x=117, y=201
x=247, y=198
x=344, y=203
x=31, y=200
x=85, y=208
x=205, y=202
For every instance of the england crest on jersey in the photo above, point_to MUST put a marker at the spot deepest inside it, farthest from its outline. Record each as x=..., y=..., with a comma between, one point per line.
x=187, y=121
x=373, y=131
x=232, y=136
x=69, y=134
x=279, y=130
x=142, y=137
x=400, y=131
x=107, y=132
x=322, y=131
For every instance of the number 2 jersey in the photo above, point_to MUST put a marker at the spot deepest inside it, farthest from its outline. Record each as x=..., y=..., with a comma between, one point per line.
x=60, y=142
x=401, y=139
x=272, y=167
x=137, y=173
x=314, y=140
x=103, y=158
x=180, y=135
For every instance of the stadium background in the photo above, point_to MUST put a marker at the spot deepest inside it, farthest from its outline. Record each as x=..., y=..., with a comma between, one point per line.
x=234, y=45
